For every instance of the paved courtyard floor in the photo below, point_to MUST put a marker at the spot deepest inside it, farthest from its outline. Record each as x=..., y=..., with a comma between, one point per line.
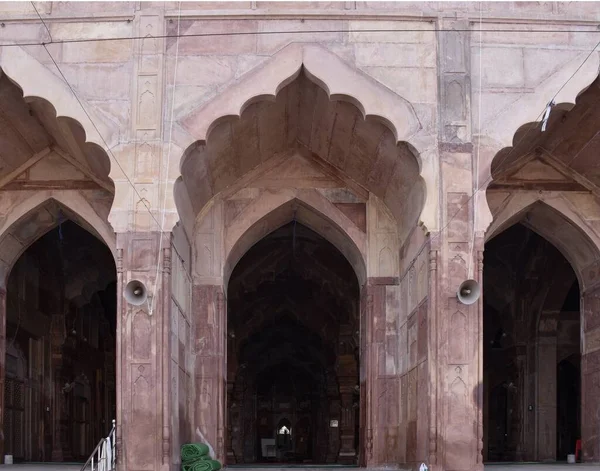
x=488, y=467
x=540, y=466
x=41, y=467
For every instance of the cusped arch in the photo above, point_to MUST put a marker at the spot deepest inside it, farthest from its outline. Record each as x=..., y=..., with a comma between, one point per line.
x=32, y=218
x=554, y=220
x=39, y=84
x=309, y=208
x=571, y=126
x=307, y=100
x=566, y=85
x=37, y=81
x=325, y=69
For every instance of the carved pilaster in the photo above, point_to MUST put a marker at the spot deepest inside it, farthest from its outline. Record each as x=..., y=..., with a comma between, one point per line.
x=166, y=345
x=479, y=278
x=2, y=365
x=146, y=119
x=119, y=261
x=458, y=356
x=432, y=349
x=143, y=355
x=208, y=351
x=119, y=360
x=590, y=375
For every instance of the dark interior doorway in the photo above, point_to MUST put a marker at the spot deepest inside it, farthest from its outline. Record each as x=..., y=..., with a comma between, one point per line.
x=568, y=421
x=532, y=397
x=60, y=394
x=293, y=361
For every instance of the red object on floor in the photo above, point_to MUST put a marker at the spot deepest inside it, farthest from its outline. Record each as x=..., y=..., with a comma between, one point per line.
x=577, y=449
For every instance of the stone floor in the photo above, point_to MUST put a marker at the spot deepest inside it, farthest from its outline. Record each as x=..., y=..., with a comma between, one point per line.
x=41, y=467
x=539, y=466
x=488, y=467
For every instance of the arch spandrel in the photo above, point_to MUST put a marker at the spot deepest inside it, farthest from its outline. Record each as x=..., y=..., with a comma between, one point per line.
x=32, y=218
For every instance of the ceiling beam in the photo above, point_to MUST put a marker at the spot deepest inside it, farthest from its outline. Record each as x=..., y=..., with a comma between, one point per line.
x=546, y=157
x=34, y=159
x=82, y=168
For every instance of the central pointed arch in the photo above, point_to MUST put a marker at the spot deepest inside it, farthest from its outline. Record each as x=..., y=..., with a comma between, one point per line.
x=310, y=209
x=293, y=274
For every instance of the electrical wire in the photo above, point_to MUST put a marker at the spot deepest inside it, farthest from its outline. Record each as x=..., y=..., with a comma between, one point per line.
x=168, y=166
x=288, y=32
x=43, y=22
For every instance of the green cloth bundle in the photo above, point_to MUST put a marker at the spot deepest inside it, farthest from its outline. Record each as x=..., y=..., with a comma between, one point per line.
x=202, y=465
x=192, y=452
x=195, y=457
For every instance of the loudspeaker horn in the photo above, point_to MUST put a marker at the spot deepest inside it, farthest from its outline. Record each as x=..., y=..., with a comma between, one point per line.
x=136, y=293
x=468, y=292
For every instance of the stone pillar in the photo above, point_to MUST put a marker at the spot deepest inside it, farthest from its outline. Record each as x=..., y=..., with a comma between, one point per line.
x=521, y=428
x=2, y=366
x=546, y=398
x=458, y=346
x=143, y=345
x=60, y=382
x=432, y=351
x=231, y=408
x=347, y=380
x=328, y=444
x=381, y=362
x=590, y=375
x=209, y=344
x=367, y=376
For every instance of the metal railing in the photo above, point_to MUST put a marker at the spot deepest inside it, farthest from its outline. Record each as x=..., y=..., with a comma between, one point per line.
x=103, y=458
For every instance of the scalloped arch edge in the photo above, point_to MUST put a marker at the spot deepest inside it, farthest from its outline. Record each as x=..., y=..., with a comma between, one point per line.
x=37, y=81
x=324, y=68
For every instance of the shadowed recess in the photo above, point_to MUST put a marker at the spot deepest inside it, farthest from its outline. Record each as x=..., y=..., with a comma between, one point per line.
x=293, y=333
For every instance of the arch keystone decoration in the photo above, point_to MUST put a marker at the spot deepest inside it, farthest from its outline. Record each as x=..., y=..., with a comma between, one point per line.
x=340, y=80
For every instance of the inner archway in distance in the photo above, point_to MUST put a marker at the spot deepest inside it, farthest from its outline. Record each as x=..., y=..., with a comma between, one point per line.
x=293, y=336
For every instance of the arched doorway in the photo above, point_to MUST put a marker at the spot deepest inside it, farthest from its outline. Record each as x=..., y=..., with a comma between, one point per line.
x=532, y=401
x=285, y=144
x=59, y=390
x=293, y=342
